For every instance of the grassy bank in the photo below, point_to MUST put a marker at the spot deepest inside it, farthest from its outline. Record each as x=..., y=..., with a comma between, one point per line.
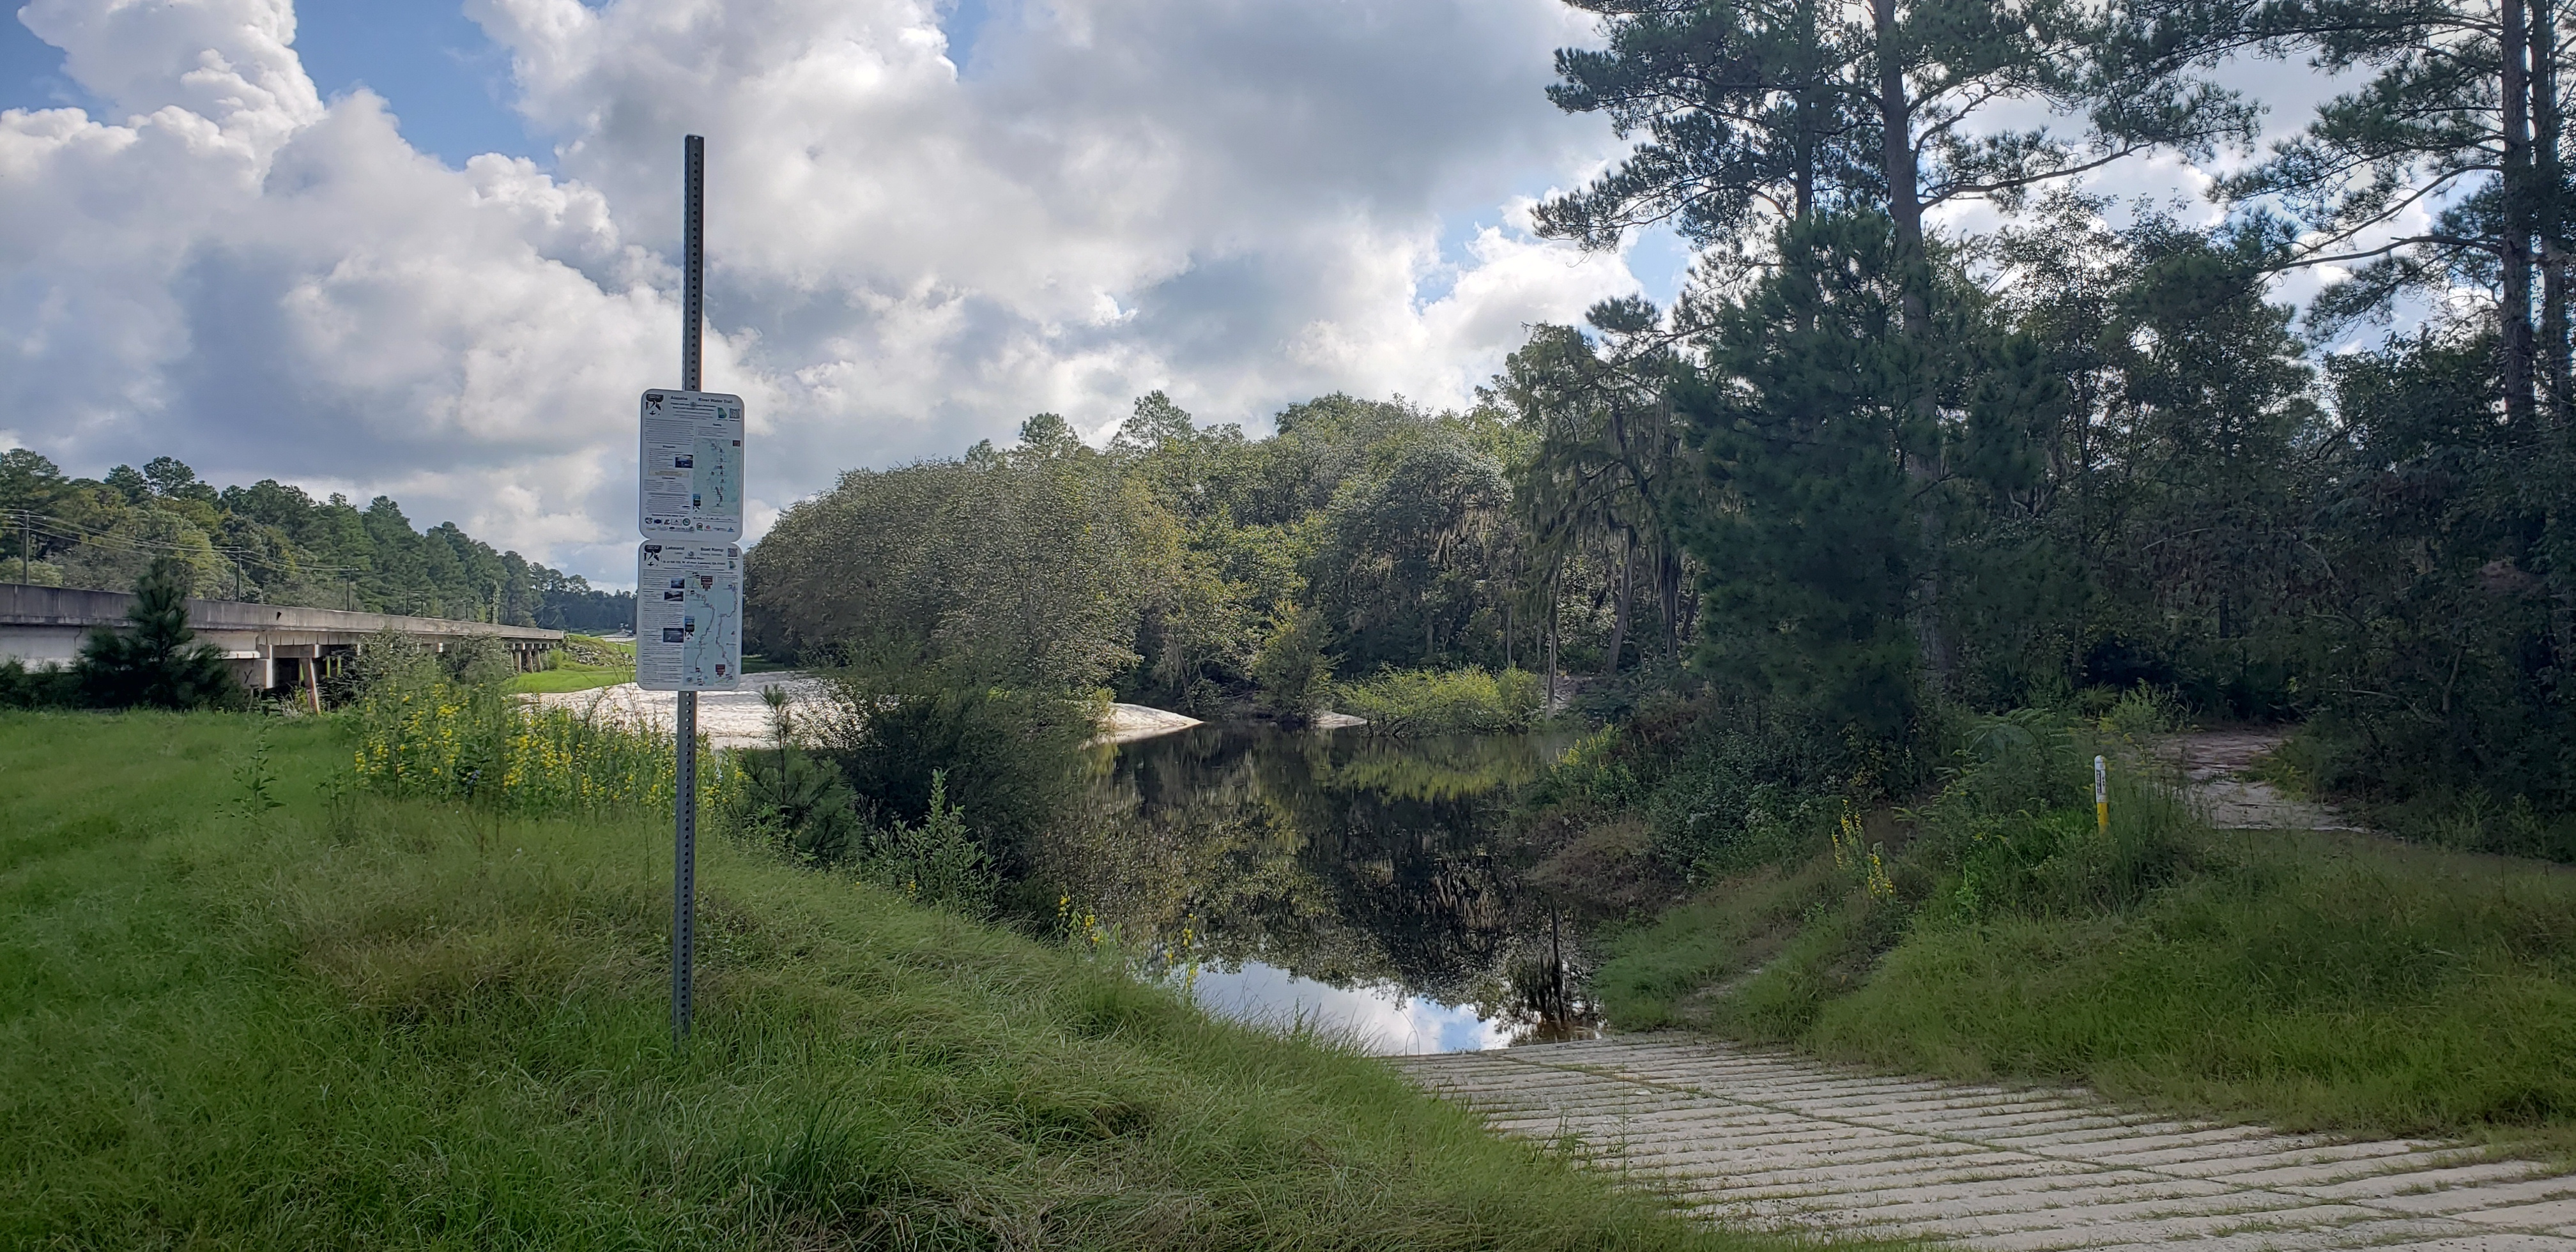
x=2318, y=981
x=584, y=663
x=1416, y=703
x=357, y=1021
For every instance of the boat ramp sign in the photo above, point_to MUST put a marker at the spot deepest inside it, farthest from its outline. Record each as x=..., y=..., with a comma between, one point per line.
x=688, y=617
x=691, y=485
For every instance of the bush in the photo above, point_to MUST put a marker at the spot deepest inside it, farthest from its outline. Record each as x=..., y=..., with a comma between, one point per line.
x=939, y=862
x=797, y=804
x=905, y=736
x=478, y=661
x=1722, y=784
x=2013, y=829
x=1294, y=672
x=47, y=687
x=1413, y=703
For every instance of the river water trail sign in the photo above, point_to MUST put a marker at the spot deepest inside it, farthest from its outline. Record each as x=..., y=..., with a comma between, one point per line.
x=688, y=617
x=691, y=456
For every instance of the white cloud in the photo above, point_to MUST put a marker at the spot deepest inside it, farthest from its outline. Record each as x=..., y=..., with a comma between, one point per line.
x=1242, y=203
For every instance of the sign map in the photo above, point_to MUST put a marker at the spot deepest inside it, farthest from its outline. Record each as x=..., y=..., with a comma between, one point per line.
x=691, y=486
x=688, y=617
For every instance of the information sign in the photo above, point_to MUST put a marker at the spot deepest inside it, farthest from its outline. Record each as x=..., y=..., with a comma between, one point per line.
x=688, y=617
x=692, y=462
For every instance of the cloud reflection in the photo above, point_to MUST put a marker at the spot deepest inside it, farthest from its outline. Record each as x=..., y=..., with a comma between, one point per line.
x=1381, y=1020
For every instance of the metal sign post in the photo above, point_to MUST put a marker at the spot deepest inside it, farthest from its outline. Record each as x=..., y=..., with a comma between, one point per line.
x=688, y=591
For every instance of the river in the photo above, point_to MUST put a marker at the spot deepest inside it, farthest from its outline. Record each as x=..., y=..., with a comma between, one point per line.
x=1330, y=880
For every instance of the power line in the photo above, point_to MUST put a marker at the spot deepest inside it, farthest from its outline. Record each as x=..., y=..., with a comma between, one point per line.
x=67, y=531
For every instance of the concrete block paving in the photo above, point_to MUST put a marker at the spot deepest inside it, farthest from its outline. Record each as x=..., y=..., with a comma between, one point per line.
x=1769, y=1140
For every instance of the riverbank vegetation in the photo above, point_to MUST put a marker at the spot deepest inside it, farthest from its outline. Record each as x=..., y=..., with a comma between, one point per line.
x=248, y=1006
x=1413, y=703
x=2320, y=980
x=1869, y=536
x=1961, y=508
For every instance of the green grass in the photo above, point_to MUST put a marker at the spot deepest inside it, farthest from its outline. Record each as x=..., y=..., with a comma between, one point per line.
x=584, y=663
x=2317, y=981
x=359, y=1022
x=567, y=676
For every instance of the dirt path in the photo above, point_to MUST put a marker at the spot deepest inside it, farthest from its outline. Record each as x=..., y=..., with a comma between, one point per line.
x=2213, y=765
x=1759, y=1138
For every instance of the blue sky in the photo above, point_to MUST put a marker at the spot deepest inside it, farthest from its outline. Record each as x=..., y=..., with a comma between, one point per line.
x=449, y=82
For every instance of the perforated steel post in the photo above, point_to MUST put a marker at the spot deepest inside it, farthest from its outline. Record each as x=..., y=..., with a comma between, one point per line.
x=684, y=841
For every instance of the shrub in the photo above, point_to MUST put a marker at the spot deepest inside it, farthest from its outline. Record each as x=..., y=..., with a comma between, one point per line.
x=938, y=862
x=46, y=687
x=1293, y=670
x=1011, y=754
x=2013, y=829
x=789, y=800
x=1722, y=784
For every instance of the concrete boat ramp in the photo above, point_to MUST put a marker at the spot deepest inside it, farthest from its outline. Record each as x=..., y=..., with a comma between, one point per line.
x=1768, y=1140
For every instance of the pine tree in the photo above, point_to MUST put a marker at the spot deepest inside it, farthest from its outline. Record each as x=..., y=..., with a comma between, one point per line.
x=154, y=662
x=1891, y=108
x=2462, y=115
x=1806, y=425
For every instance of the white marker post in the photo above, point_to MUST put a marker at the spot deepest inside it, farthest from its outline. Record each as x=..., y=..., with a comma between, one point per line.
x=2101, y=796
x=688, y=574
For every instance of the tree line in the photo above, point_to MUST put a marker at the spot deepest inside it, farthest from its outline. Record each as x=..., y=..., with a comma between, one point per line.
x=1181, y=565
x=1929, y=470
x=272, y=543
x=1867, y=471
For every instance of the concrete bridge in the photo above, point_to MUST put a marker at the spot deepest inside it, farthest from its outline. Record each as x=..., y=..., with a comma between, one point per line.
x=270, y=646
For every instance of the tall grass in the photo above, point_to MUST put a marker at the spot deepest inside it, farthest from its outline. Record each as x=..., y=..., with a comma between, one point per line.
x=2320, y=981
x=367, y=1020
x=438, y=739
x=1410, y=703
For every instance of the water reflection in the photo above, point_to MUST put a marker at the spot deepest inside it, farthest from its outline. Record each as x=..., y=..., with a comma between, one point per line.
x=1332, y=879
x=1382, y=1020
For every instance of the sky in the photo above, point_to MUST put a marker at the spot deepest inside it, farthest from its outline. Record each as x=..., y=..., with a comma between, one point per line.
x=426, y=248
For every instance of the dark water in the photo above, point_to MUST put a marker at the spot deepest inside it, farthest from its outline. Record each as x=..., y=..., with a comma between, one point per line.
x=1333, y=879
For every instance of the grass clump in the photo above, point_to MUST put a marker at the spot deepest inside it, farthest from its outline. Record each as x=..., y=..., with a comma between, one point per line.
x=2319, y=981
x=387, y=1021
x=1414, y=703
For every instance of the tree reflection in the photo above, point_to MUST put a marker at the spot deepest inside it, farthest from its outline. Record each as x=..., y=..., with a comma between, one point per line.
x=1338, y=857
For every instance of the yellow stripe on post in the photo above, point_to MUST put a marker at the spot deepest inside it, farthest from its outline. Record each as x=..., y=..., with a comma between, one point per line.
x=2101, y=795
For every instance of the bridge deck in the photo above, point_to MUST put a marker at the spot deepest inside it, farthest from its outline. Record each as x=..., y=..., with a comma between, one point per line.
x=271, y=645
